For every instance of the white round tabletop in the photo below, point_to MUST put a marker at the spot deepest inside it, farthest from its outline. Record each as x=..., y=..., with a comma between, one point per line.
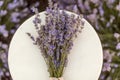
x=26, y=62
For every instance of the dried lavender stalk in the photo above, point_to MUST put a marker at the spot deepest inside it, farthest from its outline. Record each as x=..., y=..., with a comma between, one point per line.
x=56, y=37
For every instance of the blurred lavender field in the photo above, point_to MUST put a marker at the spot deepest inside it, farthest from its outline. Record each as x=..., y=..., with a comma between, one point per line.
x=104, y=15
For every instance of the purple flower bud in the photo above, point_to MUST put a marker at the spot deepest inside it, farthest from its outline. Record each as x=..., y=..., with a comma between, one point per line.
x=53, y=32
x=61, y=43
x=36, y=21
x=37, y=4
x=118, y=46
x=3, y=12
x=56, y=63
x=15, y=17
x=34, y=10
x=1, y=3
x=13, y=5
x=52, y=47
x=50, y=52
x=116, y=35
x=107, y=56
x=101, y=10
x=12, y=31
x=4, y=46
x=67, y=36
x=3, y=30
x=106, y=67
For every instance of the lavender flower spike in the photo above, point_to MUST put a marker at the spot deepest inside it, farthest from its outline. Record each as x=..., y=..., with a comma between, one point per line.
x=55, y=38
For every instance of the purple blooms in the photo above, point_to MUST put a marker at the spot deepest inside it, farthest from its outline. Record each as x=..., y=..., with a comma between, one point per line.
x=108, y=59
x=118, y=46
x=107, y=56
x=16, y=3
x=101, y=11
x=3, y=30
x=1, y=3
x=13, y=5
x=3, y=12
x=92, y=17
x=56, y=37
x=15, y=17
x=117, y=36
x=106, y=67
x=4, y=46
x=12, y=13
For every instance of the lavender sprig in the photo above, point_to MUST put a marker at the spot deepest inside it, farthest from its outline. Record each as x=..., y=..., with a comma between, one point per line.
x=56, y=37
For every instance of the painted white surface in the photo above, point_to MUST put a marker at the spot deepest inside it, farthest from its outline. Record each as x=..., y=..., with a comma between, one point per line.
x=26, y=62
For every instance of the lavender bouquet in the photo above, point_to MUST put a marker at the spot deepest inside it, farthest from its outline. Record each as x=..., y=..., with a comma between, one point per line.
x=55, y=38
